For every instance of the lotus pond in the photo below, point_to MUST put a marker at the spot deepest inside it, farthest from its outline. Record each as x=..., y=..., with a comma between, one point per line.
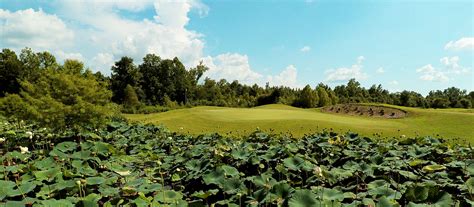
x=145, y=165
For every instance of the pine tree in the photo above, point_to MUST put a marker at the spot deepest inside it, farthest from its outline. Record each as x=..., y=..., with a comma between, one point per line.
x=324, y=99
x=131, y=98
x=308, y=98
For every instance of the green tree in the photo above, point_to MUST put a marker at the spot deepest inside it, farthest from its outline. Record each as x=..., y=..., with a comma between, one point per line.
x=465, y=103
x=308, y=98
x=11, y=71
x=454, y=95
x=60, y=99
x=74, y=67
x=440, y=103
x=124, y=72
x=323, y=96
x=31, y=64
x=333, y=97
x=131, y=99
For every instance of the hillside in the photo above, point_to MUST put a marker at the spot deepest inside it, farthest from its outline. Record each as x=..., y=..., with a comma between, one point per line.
x=447, y=123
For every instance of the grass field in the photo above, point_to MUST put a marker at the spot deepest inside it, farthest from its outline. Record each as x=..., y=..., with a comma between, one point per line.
x=447, y=123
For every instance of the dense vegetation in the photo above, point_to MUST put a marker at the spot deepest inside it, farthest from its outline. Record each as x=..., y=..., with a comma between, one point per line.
x=82, y=158
x=159, y=84
x=145, y=165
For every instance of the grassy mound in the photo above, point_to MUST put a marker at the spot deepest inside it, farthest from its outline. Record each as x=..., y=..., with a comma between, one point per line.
x=276, y=118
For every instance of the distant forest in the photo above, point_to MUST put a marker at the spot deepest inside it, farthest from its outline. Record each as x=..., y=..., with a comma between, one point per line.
x=167, y=83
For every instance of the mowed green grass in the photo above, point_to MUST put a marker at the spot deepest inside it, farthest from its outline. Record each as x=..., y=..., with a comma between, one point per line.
x=448, y=123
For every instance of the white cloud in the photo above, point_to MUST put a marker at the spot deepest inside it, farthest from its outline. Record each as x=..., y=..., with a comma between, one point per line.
x=166, y=35
x=465, y=43
x=102, y=34
x=234, y=66
x=429, y=73
x=451, y=68
x=452, y=65
x=103, y=62
x=380, y=70
x=231, y=66
x=305, y=49
x=346, y=73
x=64, y=56
x=287, y=77
x=394, y=82
x=35, y=29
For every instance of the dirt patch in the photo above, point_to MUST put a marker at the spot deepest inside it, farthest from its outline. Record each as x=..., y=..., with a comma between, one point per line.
x=365, y=110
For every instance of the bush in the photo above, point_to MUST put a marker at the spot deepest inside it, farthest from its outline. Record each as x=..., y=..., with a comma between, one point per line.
x=61, y=99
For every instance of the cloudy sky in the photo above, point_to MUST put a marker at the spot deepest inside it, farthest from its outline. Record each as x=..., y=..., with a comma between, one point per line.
x=412, y=45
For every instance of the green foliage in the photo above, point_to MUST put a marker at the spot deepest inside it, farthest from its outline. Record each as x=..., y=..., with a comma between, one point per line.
x=441, y=103
x=164, y=78
x=131, y=99
x=146, y=165
x=168, y=83
x=61, y=99
x=307, y=98
x=124, y=74
x=10, y=72
x=323, y=96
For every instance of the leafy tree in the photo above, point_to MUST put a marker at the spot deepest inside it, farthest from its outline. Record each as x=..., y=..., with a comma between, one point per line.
x=308, y=98
x=440, y=103
x=272, y=98
x=333, y=97
x=11, y=71
x=124, y=73
x=47, y=60
x=131, y=99
x=324, y=99
x=193, y=77
x=61, y=99
x=31, y=64
x=465, y=103
x=454, y=95
x=407, y=99
x=74, y=67
x=471, y=97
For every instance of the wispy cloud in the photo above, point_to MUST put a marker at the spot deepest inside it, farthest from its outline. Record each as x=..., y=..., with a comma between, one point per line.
x=465, y=43
x=305, y=49
x=346, y=73
x=429, y=73
x=380, y=70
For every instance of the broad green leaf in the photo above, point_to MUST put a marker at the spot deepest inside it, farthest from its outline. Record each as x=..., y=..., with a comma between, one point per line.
x=232, y=185
x=55, y=203
x=6, y=187
x=66, y=146
x=417, y=193
x=294, y=163
x=168, y=196
x=303, y=198
x=95, y=180
x=229, y=170
x=91, y=200
x=205, y=194
x=214, y=177
x=147, y=188
x=433, y=168
x=332, y=195
x=385, y=202
x=48, y=175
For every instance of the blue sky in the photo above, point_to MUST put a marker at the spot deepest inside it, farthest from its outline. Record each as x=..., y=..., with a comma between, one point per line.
x=412, y=45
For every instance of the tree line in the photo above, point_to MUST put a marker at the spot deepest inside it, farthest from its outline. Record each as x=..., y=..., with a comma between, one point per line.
x=36, y=85
x=166, y=82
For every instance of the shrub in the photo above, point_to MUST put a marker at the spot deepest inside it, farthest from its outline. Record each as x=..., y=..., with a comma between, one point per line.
x=61, y=99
